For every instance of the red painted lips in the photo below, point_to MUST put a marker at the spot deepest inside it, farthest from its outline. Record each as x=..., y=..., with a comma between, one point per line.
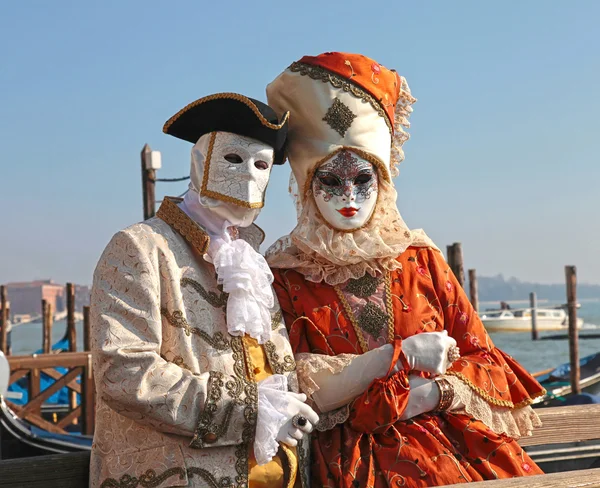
x=348, y=211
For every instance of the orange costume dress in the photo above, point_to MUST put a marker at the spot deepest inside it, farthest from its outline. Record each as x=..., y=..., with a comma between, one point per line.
x=348, y=289
x=372, y=447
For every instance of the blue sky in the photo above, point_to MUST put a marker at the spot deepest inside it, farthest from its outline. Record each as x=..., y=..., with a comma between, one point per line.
x=503, y=155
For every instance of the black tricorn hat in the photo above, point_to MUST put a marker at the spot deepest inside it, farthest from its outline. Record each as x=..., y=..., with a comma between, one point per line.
x=231, y=112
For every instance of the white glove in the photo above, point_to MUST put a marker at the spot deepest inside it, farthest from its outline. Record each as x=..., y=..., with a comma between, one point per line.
x=277, y=408
x=424, y=396
x=336, y=390
x=428, y=351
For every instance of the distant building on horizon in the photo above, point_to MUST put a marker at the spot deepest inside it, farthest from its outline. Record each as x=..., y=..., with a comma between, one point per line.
x=26, y=297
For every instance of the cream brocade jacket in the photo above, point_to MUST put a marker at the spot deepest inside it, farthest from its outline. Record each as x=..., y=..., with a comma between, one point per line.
x=176, y=394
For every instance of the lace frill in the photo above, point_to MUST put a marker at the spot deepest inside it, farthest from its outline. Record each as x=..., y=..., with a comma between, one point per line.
x=515, y=423
x=322, y=253
x=401, y=114
x=307, y=365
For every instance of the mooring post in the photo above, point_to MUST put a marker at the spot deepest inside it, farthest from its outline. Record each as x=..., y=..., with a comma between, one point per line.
x=87, y=343
x=3, y=321
x=47, y=318
x=533, y=304
x=473, y=291
x=456, y=263
x=571, y=277
x=148, y=182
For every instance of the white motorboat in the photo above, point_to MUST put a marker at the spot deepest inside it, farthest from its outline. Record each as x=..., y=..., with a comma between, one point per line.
x=520, y=320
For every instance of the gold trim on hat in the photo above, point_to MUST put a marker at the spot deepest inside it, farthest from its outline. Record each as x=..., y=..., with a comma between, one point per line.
x=337, y=81
x=231, y=96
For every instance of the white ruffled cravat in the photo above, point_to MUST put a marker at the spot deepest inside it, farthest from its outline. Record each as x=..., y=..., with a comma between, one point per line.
x=242, y=271
x=246, y=276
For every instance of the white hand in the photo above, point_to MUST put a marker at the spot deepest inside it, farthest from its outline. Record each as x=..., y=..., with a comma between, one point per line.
x=424, y=396
x=290, y=434
x=428, y=351
x=276, y=409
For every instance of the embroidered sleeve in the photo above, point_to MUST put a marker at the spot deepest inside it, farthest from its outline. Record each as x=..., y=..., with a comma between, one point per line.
x=131, y=376
x=493, y=375
x=515, y=423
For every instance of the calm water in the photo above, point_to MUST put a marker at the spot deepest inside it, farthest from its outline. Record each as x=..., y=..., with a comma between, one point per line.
x=533, y=355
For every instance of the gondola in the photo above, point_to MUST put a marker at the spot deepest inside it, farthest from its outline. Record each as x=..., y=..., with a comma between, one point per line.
x=557, y=383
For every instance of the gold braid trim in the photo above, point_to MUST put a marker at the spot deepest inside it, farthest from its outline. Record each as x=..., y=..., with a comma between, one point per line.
x=337, y=81
x=150, y=479
x=170, y=213
x=529, y=400
x=231, y=96
x=490, y=399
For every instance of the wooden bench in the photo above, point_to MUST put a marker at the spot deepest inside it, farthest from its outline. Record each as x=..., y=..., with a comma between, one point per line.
x=561, y=425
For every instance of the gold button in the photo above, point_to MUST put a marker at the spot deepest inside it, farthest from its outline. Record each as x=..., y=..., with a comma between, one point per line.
x=257, y=370
x=210, y=438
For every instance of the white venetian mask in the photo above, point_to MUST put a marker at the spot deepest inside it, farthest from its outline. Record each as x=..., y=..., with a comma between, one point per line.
x=345, y=189
x=236, y=169
x=229, y=174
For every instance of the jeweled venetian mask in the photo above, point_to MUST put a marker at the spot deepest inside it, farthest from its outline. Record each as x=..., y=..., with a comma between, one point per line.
x=236, y=169
x=345, y=189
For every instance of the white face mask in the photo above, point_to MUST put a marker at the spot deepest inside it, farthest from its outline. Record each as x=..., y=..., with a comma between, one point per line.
x=229, y=174
x=345, y=189
x=236, y=170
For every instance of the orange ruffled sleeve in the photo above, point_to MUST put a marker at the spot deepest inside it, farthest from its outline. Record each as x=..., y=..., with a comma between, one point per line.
x=382, y=404
x=494, y=375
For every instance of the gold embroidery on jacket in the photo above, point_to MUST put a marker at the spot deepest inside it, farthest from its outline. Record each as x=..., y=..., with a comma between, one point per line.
x=276, y=319
x=149, y=479
x=177, y=319
x=235, y=386
x=217, y=301
x=170, y=213
x=224, y=482
x=279, y=367
x=206, y=425
x=250, y=412
x=178, y=361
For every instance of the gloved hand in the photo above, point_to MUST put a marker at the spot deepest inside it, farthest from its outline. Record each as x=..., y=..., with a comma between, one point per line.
x=277, y=408
x=428, y=351
x=424, y=397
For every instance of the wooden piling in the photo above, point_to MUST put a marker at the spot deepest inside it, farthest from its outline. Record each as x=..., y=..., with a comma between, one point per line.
x=71, y=332
x=450, y=256
x=3, y=321
x=533, y=304
x=473, y=291
x=71, y=335
x=8, y=334
x=148, y=184
x=571, y=277
x=87, y=343
x=47, y=319
x=456, y=262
